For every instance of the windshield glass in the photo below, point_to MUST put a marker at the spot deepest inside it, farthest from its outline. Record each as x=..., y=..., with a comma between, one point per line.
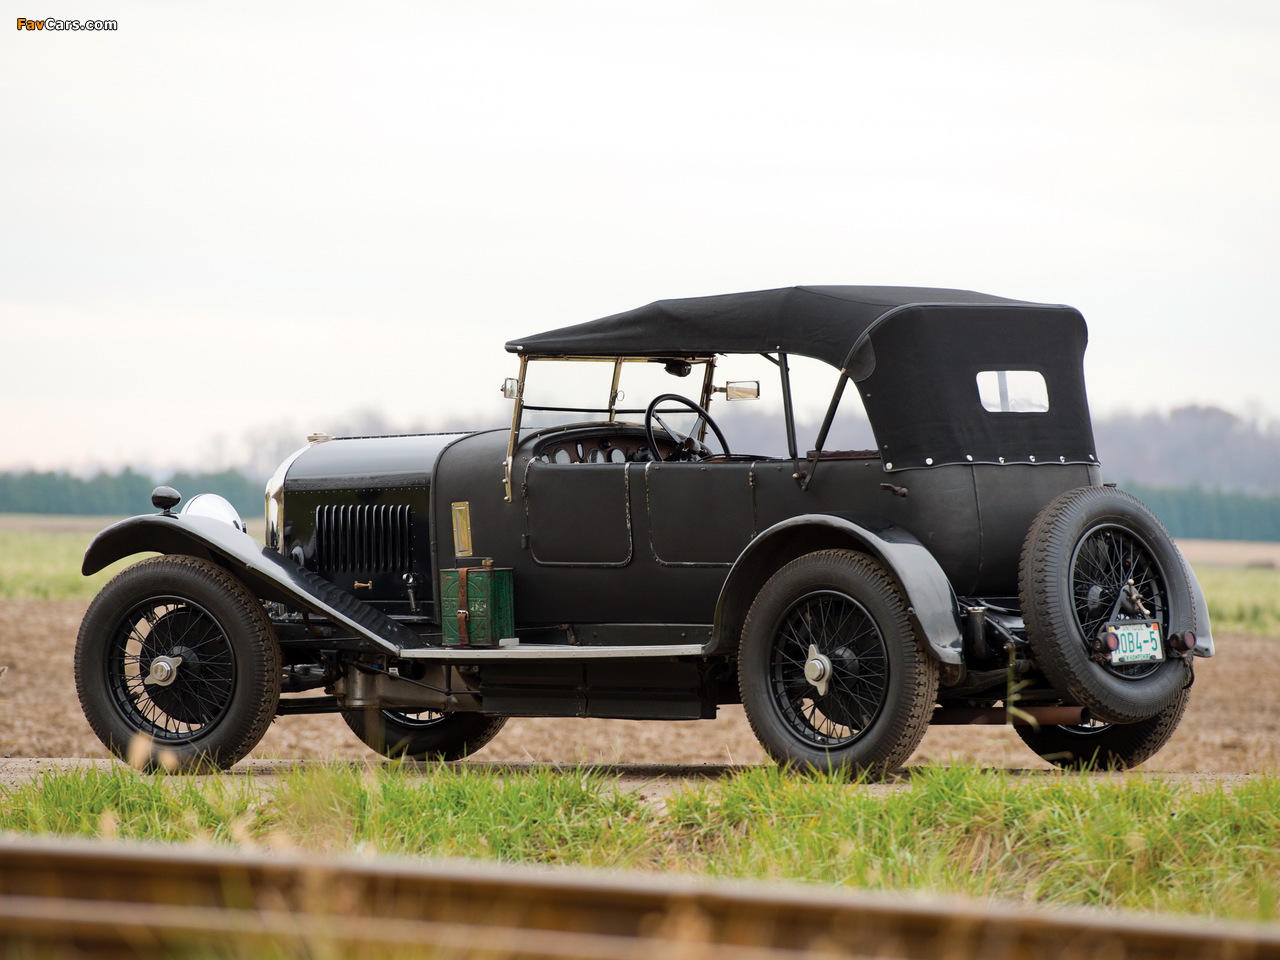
x=578, y=391
x=558, y=392
x=566, y=391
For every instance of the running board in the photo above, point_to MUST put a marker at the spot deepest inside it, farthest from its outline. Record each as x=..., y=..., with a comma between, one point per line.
x=551, y=651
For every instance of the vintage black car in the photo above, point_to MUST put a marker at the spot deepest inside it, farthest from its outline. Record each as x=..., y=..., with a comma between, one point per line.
x=609, y=555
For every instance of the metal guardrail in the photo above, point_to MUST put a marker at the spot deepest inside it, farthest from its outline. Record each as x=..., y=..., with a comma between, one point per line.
x=107, y=899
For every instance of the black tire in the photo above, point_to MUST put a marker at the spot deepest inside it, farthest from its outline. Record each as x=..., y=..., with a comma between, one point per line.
x=194, y=621
x=1077, y=556
x=1106, y=746
x=882, y=686
x=425, y=735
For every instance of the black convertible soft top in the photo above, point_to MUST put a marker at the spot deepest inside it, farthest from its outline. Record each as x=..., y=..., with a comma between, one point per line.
x=824, y=322
x=915, y=354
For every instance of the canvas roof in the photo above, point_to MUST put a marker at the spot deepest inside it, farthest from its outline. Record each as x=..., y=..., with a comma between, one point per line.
x=825, y=322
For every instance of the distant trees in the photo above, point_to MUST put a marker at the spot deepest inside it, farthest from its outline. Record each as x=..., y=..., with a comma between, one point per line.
x=1212, y=515
x=118, y=494
x=1191, y=447
x=1205, y=472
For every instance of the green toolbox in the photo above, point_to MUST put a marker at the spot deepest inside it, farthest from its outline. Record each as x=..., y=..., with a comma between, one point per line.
x=476, y=605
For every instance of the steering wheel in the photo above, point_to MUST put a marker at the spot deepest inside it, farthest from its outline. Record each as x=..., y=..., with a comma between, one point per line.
x=688, y=446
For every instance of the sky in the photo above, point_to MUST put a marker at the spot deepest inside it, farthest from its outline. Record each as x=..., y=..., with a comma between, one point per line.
x=223, y=220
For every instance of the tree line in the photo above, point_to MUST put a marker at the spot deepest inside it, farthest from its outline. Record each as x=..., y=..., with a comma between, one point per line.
x=119, y=494
x=1187, y=512
x=1212, y=514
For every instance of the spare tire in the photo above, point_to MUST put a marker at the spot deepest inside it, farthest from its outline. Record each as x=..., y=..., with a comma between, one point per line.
x=1077, y=560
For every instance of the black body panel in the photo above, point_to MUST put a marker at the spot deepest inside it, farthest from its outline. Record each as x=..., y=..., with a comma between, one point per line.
x=358, y=514
x=699, y=513
x=368, y=462
x=653, y=542
x=624, y=690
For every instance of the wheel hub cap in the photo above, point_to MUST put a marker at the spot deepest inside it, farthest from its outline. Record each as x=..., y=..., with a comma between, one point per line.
x=817, y=670
x=164, y=670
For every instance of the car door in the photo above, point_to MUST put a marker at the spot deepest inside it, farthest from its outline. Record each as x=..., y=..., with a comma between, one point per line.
x=700, y=513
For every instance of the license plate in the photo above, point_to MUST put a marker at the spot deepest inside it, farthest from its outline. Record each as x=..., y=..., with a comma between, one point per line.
x=1137, y=642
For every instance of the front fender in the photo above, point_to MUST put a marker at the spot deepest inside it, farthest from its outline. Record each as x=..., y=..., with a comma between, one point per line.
x=930, y=599
x=264, y=571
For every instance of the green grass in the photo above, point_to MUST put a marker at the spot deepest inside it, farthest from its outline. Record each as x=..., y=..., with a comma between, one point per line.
x=45, y=565
x=1243, y=599
x=1061, y=839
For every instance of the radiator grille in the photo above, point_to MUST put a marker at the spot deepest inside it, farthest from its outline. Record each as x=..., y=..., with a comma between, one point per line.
x=368, y=538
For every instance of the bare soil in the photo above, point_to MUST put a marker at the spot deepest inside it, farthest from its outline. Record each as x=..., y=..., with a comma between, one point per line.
x=1231, y=726
x=1230, y=553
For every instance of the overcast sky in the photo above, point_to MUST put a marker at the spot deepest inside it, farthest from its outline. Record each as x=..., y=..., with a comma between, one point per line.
x=223, y=217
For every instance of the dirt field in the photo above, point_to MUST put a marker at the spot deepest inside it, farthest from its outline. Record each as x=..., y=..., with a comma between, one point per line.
x=1231, y=727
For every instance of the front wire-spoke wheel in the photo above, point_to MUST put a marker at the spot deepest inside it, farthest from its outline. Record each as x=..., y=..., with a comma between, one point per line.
x=177, y=665
x=831, y=673
x=170, y=668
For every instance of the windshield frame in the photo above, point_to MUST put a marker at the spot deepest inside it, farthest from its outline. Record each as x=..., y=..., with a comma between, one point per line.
x=802, y=475
x=517, y=414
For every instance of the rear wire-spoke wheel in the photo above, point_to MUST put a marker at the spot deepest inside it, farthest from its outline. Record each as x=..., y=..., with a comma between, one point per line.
x=831, y=673
x=830, y=635
x=1111, y=560
x=1093, y=556
x=177, y=665
x=1105, y=746
x=422, y=735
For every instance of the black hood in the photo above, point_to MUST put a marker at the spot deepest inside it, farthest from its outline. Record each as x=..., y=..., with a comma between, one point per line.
x=348, y=462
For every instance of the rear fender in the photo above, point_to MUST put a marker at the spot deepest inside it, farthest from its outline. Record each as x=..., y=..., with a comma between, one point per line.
x=1204, y=631
x=930, y=600
x=265, y=572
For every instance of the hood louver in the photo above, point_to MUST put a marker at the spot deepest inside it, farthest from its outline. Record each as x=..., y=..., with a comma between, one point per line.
x=365, y=539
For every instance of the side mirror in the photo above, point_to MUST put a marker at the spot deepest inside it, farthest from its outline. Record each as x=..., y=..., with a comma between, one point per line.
x=511, y=388
x=740, y=390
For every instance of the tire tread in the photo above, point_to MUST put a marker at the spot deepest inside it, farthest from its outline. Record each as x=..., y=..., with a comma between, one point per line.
x=894, y=745
x=235, y=736
x=1050, y=628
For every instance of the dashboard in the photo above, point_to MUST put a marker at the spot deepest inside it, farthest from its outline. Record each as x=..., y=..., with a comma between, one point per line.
x=598, y=445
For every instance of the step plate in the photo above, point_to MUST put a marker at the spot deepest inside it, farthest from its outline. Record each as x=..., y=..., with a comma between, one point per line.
x=552, y=651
